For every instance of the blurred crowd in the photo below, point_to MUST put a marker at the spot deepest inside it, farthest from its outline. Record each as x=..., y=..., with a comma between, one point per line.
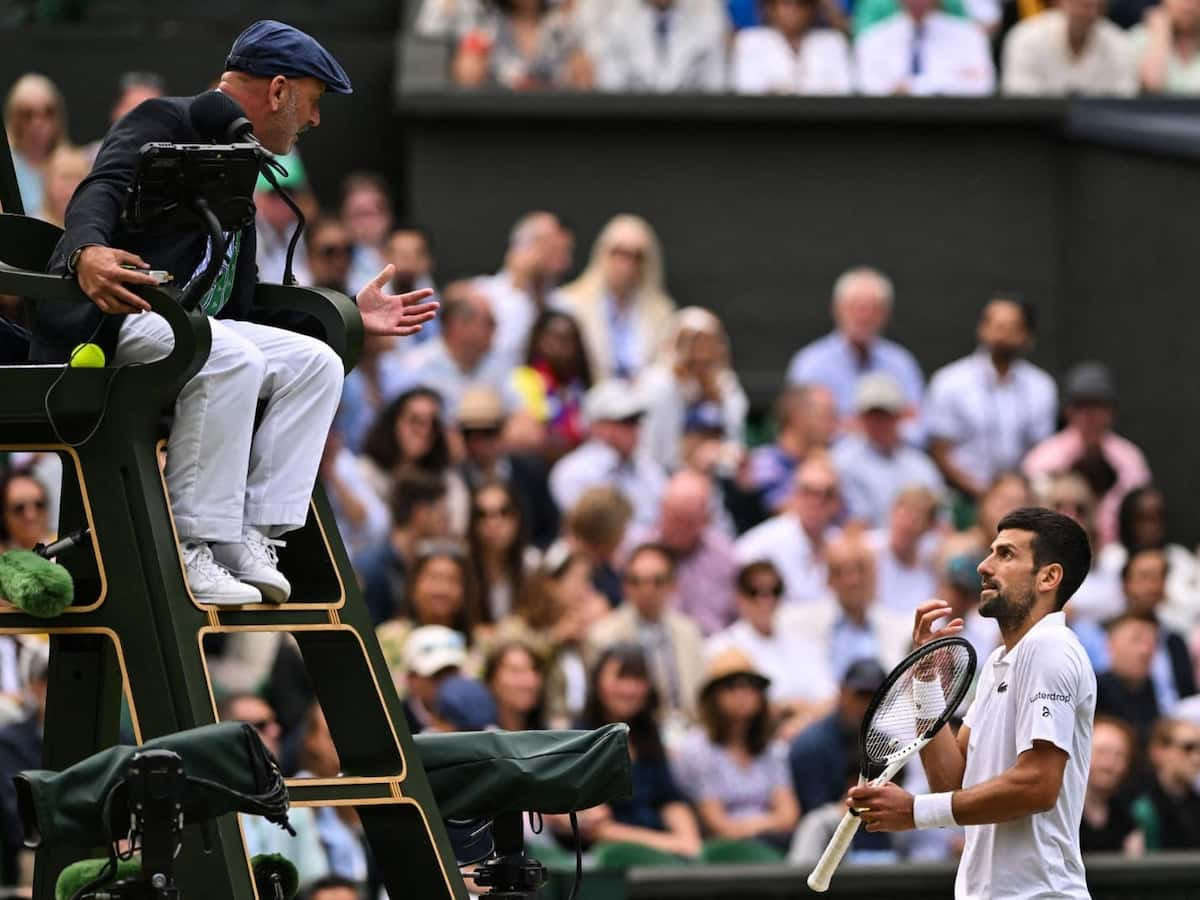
x=1047, y=48
x=562, y=514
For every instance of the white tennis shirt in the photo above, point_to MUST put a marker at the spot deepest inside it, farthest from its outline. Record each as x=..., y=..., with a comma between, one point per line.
x=1043, y=689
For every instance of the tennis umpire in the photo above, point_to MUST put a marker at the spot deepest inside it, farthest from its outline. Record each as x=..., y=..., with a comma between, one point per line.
x=1016, y=773
x=234, y=489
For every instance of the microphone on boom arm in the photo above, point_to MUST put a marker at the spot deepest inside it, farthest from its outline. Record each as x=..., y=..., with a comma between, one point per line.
x=219, y=118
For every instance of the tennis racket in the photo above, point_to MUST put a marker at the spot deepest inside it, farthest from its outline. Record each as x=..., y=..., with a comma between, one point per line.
x=913, y=703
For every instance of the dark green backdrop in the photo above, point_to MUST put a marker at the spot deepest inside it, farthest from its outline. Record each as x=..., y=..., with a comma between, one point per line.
x=762, y=203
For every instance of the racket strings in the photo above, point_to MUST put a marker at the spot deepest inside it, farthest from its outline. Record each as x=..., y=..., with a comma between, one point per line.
x=906, y=712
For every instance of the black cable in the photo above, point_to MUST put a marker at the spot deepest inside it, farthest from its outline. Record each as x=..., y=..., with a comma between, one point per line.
x=578, y=857
x=267, y=171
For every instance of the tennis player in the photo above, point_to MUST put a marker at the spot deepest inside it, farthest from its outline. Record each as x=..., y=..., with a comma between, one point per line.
x=1016, y=772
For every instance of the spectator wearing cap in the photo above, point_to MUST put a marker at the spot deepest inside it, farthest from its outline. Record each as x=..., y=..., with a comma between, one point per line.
x=850, y=623
x=1112, y=465
x=1072, y=49
x=922, y=51
x=695, y=368
x=620, y=300
x=662, y=46
x=791, y=53
x=985, y=411
x=802, y=683
x=795, y=539
x=524, y=287
x=419, y=513
x=734, y=774
x=481, y=422
x=671, y=640
x=904, y=550
x=862, y=304
x=274, y=221
x=462, y=355
x=462, y=704
x=611, y=454
x=431, y=655
x=873, y=463
x=704, y=561
x=821, y=754
x=806, y=420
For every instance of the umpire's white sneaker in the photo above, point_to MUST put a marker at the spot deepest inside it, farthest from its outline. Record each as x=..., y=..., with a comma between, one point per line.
x=255, y=561
x=210, y=582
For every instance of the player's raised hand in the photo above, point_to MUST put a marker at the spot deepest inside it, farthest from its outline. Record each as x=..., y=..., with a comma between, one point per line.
x=393, y=314
x=885, y=808
x=928, y=613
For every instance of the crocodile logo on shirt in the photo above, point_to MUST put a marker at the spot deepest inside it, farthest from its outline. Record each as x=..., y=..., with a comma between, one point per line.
x=1002, y=687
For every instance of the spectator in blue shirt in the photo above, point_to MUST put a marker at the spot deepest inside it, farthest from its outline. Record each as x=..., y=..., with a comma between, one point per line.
x=862, y=304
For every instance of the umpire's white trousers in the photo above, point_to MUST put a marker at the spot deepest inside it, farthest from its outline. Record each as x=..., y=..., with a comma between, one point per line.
x=222, y=473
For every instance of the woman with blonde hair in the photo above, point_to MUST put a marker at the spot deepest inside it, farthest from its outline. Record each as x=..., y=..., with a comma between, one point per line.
x=36, y=122
x=692, y=377
x=620, y=300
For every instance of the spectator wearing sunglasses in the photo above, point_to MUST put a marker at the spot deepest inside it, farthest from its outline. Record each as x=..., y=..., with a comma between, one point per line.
x=500, y=548
x=328, y=246
x=1169, y=812
x=802, y=685
x=488, y=459
x=670, y=639
x=1112, y=465
x=795, y=539
x=25, y=523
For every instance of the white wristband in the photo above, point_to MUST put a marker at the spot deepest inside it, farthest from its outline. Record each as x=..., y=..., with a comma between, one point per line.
x=934, y=810
x=930, y=699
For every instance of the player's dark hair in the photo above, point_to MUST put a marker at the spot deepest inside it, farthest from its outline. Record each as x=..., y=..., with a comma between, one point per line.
x=1056, y=539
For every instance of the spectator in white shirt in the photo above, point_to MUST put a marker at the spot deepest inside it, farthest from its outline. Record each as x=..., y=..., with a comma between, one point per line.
x=662, y=46
x=1167, y=48
x=985, y=411
x=906, y=549
x=802, y=685
x=923, y=51
x=790, y=55
x=610, y=455
x=620, y=300
x=851, y=624
x=862, y=304
x=367, y=214
x=462, y=355
x=1069, y=50
x=874, y=463
x=795, y=539
x=524, y=287
x=694, y=368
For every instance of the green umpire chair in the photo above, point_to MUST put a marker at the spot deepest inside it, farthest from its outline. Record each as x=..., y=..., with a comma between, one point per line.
x=134, y=627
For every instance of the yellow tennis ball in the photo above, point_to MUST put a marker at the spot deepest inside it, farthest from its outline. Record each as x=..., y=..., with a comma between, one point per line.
x=87, y=356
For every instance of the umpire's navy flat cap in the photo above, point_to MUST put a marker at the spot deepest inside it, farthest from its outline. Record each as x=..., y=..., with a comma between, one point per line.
x=269, y=48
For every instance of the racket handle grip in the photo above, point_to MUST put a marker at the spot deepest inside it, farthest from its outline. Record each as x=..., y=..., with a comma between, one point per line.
x=822, y=872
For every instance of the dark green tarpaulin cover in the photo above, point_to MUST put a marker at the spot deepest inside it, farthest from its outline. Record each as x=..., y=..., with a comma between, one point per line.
x=68, y=807
x=492, y=772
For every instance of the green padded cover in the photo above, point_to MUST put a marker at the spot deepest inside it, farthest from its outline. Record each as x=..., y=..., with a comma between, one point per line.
x=486, y=773
x=86, y=805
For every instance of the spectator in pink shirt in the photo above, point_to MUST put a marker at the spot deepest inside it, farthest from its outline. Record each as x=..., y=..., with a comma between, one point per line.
x=1111, y=464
